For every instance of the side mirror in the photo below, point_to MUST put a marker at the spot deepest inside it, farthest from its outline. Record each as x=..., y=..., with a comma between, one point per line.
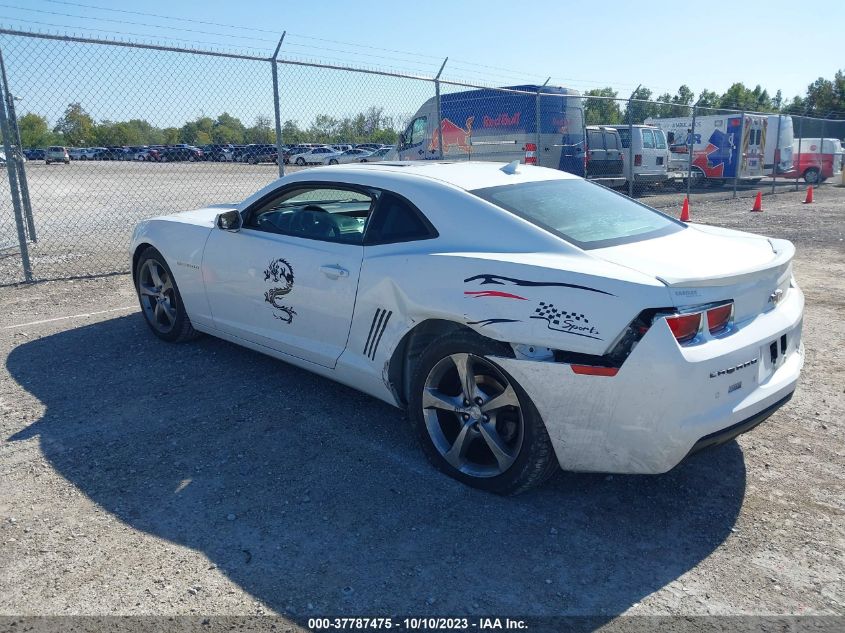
x=401, y=139
x=229, y=221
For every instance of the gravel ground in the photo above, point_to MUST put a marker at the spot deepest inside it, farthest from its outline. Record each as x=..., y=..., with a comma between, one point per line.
x=143, y=478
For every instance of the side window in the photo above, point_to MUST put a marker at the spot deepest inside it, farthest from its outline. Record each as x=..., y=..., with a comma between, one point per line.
x=625, y=136
x=648, y=138
x=395, y=220
x=418, y=130
x=319, y=212
x=659, y=140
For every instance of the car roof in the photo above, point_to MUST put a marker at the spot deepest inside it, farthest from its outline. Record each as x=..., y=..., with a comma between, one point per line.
x=467, y=175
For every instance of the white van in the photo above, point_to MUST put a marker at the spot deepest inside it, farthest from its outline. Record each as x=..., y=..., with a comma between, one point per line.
x=650, y=154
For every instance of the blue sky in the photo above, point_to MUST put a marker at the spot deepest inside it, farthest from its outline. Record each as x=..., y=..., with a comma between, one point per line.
x=581, y=45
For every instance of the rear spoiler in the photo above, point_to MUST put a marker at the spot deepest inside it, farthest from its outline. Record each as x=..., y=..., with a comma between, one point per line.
x=784, y=252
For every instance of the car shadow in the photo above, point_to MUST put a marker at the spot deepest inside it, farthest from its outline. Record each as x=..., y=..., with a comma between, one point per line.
x=315, y=499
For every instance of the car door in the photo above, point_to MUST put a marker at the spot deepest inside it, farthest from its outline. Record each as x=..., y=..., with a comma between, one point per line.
x=596, y=154
x=287, y=279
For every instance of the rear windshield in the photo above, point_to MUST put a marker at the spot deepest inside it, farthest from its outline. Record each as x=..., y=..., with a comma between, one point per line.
x=581, y=212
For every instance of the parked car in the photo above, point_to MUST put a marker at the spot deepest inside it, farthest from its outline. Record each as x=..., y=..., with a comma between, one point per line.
x=349, y=156
x=316, y=156
x=650, y=154
x=180, y=153
x=816, y=159
x=260, y=153
x=136, y=152
x=57, y=154
x=218, y=153
x=341, y=148
x=75, y=153
x=35, y=154
x=523, y=317
x=604, y=161
x=369, y=146
x=379, y=155
x=293, y=152
x=90, y=153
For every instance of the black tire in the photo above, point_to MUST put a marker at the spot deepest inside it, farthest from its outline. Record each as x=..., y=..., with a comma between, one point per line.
x=300, y=162
x=535, y=461
x=181, y=329
x=811, y=176
x=47, y=161
x=332, y=161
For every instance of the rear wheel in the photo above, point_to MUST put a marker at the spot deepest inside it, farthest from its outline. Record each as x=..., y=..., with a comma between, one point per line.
x=474, y=422
x=300, y=161
x=160, y=300
x=811, y=176
x=332, y=162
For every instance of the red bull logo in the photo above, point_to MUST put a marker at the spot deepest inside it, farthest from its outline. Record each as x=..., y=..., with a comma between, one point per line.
x=503, y=120
x=453, y=136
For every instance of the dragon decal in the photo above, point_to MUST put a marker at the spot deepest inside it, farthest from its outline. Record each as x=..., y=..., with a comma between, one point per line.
x=279, y=271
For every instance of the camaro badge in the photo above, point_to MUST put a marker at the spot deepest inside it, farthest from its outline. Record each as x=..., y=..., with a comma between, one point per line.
x=730, y=370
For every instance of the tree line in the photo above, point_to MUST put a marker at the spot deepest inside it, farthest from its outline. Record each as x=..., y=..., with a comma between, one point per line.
x=824, y=99
x=77, y=128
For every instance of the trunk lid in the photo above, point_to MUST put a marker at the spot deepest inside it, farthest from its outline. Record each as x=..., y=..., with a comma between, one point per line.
x=704, y=264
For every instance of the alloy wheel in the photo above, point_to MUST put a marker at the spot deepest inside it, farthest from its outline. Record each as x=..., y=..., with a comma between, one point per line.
x=158, y=296
x=473, y=415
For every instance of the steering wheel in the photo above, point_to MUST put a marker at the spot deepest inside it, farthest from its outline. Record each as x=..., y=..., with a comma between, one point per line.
x=315, y=221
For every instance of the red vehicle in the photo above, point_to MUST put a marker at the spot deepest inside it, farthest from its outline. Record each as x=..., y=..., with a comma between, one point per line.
x=813, y=165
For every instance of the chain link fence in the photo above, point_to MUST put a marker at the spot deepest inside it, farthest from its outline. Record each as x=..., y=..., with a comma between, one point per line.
x=101, y=134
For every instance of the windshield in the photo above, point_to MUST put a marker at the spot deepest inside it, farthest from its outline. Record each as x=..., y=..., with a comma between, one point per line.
x=581, y=212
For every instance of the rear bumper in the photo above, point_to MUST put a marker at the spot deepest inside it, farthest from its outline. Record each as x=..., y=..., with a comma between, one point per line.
x=651, y=179
x=667, y=400
x=726, y=435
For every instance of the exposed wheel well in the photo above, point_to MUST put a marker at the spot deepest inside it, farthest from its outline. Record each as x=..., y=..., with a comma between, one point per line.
x=410, y=348
x=137, y=255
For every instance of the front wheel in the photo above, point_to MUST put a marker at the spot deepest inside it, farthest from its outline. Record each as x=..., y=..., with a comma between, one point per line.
x=474, y=422
x=160, y=300
x=300, y=162
x=811, y=176
x=332, y=162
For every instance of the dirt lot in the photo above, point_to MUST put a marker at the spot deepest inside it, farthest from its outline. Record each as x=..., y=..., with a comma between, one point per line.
x=142, y=478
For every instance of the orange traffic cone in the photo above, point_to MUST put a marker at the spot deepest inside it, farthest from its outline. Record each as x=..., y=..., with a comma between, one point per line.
x=809, y=198
x=758, y=202
x=685, y=211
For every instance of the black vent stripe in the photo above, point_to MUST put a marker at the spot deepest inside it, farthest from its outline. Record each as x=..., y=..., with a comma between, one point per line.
x=372, y=327
x=377, y=327
x=381, y=332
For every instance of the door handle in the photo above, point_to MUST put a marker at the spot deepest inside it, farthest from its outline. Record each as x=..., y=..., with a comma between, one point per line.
x=334, y=271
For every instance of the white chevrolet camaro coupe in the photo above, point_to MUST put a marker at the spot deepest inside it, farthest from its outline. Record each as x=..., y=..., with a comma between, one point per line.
x=525, y=317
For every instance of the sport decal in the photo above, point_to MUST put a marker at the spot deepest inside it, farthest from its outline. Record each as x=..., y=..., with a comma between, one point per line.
x=500, y=280
x=484, y=322
x=279, y=271
x=566, y=322
x=492, y=293
x=377, y=328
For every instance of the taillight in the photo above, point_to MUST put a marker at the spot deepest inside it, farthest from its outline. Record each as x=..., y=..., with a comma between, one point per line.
x=594, y=370
x=684, y=326
x=638, y=160
x=718, y=318
x=530, y=153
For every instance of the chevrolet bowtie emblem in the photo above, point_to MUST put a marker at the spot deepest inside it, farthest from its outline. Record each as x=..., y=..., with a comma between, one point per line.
x=776, y=296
